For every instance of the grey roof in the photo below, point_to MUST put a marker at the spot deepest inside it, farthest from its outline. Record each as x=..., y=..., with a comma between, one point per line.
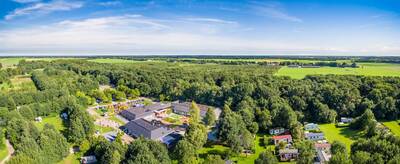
x=142, y=111
x=286, y=151
x=185, y=108
x=152, y=130
x=314, y=134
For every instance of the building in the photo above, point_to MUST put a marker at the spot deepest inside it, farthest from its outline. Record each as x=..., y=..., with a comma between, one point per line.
x=276, y=131
x=323, y=152
x=184, y=109
x=346, y=120
x=282, y=138
x=288, y=154
x=151, y=130
x=88, y=159
x=143, y=111
x=314, y=136
x=311, y=126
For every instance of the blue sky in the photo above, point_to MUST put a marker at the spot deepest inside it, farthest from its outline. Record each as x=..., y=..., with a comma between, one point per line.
x=128, y=27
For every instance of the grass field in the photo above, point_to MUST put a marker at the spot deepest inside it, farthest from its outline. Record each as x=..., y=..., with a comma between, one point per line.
x=393, y=126
x=366, y=69
x=102, y=129
x=70, y=159
x=55, y=121
x=118, y=61
x=3, y=151
x=18, y=83
x=344, y=134
x=241, y=159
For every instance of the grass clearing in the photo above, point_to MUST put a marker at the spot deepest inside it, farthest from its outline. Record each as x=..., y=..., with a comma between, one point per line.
x=241, y=159
x=119, y=121
x=342, y=134
x=393, y=126
x=56, y=121
x=366, y=69
x=70, y=159
x=19, y=83
x=103, y=129
x=3, y=151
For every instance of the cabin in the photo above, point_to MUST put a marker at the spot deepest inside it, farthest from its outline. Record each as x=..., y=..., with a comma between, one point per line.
x=88, y=159
x=288, y=154
x=346, y=120
x=276, y=131
x=38, y=119
x=148, y=129
x=314, y=136
x=311, y=126
x=323, y=151
x=282, y=138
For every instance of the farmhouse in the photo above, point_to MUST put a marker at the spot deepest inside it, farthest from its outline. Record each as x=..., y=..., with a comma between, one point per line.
x=288, y=154
x=184, y=109
x=151, y=130
x=282, y=138
x=276, y=131
x=143, y=111
x=314, y=136
x=311, y=126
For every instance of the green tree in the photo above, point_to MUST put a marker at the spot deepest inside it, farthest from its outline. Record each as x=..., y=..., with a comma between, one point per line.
x=184, y=152
x=196, y=134
x=340, y=158
x=210, y=117
x=266, y=158
x=213, y=159
x=306, y=152
x=338, y=147
x=26, y=112
x=194, y=113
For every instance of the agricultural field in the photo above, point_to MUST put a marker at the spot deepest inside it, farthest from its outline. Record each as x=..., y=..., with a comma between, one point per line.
x=342, y=134
x=56, y=121
x=366, y=69
x=394, y=127
x=18, y=83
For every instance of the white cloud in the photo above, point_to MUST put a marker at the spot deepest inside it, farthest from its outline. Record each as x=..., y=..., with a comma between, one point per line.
x=275, y=10
x=137, y=34
x=44, y=8
x=26, y=1
x=110, y=3
x=211, y=20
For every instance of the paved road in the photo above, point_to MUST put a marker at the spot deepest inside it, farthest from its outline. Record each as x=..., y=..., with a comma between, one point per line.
x=10, y=152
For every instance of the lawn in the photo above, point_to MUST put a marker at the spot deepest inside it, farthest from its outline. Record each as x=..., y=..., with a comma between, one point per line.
x=393, y=126
x=3, y=151
x=102, y=129
x=366, y=69
x=56, y=121
x=343, y=134
x=219, y=149
x=113, y=118
x=70, y=159
x=9, y=62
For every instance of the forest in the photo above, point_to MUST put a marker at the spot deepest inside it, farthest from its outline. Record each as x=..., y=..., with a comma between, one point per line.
x=252, y=98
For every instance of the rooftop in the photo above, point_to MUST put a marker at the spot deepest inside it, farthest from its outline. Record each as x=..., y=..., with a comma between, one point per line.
x=281, y=137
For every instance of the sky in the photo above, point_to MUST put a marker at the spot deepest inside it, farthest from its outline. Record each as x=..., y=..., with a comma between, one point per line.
x=200, y=27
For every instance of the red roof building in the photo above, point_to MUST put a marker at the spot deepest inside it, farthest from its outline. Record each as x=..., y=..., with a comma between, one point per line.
x=282, y=138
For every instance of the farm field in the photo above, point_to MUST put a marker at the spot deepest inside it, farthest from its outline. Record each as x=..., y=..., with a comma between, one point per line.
x=18, y=83
x=393, y=126
x=55, y=121
x=343, y=134
x=105, y=60
x=366, y=69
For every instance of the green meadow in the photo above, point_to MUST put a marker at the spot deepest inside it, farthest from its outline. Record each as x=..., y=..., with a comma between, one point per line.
x=394, y=127
x=342, y=134
x=56, y=121
x=366, y=69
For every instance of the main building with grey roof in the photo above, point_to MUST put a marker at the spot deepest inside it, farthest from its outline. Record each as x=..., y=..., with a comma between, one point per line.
x=151, y=130
x=183, y=108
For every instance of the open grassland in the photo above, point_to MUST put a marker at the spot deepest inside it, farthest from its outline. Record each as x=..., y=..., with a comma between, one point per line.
x=366, y=69
x=109, y=60
x=18, y=83
x=393, y=126
x=342, y=134
x=11, y=62
x=54, y=120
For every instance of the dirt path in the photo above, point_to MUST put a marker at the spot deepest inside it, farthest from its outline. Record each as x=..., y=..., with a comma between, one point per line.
x=10, y=152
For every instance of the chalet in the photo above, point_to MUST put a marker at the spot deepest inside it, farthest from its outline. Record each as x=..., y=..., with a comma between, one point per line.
x=311, y=126
x=288, y=154
x=88, y=159
x=276, y=131
x=183, y=108
x=314, y=136
x=148, y=129
x=323, y=152
x=294, y=66
x=282, y=138
x=143, y=111
x=346, y=120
